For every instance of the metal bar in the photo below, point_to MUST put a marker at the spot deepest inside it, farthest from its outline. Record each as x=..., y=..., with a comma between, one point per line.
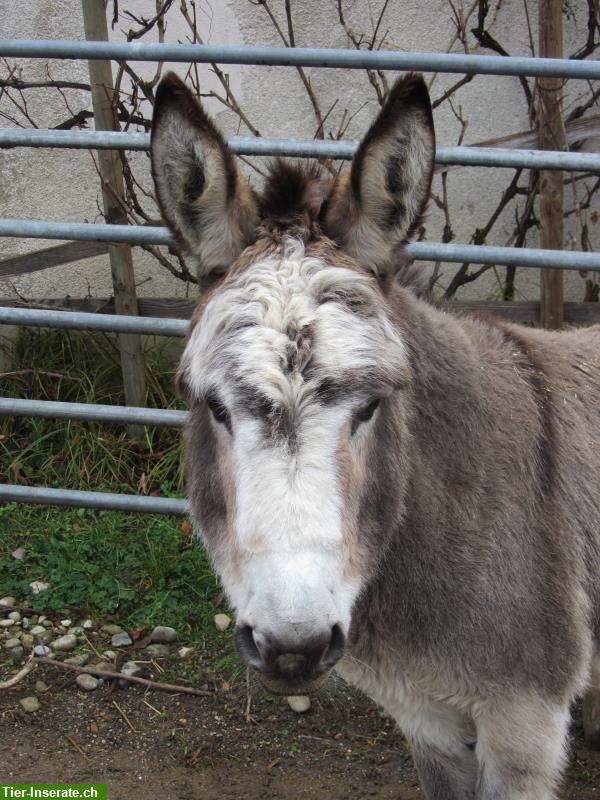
x=85, y=232
x=504, y=256
x=77, y=140
x=80, y=320
x=420, y=251
x=526, y=159
x=306, y=148
x=300, y=56
x=135, y=415
x=105, y=500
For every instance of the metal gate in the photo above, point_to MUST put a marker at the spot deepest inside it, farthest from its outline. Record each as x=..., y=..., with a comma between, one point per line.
x=311, y=57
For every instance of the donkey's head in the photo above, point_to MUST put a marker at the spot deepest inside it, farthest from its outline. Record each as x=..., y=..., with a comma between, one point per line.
x=293, y=370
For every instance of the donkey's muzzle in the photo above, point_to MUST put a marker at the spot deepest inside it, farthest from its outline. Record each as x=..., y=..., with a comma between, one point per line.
x=293, y=666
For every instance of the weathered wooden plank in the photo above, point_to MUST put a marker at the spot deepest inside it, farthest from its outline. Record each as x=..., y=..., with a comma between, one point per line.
x=50, y=257
x=551, y=137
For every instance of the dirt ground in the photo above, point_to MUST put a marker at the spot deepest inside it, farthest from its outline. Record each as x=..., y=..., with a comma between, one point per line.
x=156, y=745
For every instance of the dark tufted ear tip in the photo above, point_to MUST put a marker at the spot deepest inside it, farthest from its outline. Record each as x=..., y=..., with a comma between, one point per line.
x=173, y=93
x=410, y=85
x=170, y=84
x=409, y=92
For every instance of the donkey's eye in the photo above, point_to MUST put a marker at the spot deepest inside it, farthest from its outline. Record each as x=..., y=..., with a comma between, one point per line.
x=219, y=412
x=364, y=414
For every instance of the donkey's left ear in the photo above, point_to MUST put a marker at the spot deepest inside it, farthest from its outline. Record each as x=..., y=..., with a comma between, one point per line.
x=208, y=205
x=379, y=205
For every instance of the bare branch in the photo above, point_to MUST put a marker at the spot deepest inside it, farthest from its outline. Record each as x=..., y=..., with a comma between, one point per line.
x=376, y=78
x=289, y=41
x=229, y=100
x=147, y=25
x=591, y=43
x=485, y=39
x=452, y=90
x=22, y=86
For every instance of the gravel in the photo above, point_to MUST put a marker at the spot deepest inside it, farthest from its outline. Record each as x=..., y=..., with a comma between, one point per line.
x=157, y=651
x=162, y=634
x=80, y=660
x=64, y=643
x=111, y=629
x=222, y=621
x=39, y=586
x=121, y=640
x=87, y=682
x=30, y=704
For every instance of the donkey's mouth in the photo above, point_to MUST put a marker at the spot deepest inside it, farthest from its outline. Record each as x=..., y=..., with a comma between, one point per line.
x=292, y=686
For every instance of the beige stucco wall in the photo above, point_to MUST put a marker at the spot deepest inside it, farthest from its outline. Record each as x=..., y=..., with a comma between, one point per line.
x=63, y=185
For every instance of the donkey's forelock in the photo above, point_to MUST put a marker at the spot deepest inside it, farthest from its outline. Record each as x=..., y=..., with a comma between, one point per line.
x=294, y=195
x=297, y=322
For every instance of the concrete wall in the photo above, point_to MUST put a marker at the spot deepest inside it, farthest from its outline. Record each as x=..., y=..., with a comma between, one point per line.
x=63, y=185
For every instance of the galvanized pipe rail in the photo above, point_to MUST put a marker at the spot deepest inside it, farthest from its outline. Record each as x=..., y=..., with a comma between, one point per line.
x=72, y=498
x=306, y=148
x=95, y=412
x=420, y=251
x=301, y=56
x=84, y=321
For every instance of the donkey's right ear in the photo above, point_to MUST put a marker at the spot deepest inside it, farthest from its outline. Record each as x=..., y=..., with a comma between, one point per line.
x=208, y=205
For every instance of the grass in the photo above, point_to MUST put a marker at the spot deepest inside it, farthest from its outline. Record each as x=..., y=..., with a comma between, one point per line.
x=84, y=368
x=137, y=569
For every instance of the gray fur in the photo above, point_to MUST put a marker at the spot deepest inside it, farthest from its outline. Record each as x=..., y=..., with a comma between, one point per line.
x=477, y=521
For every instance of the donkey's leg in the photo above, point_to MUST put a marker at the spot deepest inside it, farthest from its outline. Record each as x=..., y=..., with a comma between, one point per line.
x=443, y=751
x=591, y=703
x=445, y=775
x=521, y=748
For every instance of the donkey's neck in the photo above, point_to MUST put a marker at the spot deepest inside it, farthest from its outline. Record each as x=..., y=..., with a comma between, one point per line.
x=469, y=459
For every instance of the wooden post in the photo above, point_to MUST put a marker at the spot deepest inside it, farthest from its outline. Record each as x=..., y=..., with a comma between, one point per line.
x=551, y=137
x=113, y=193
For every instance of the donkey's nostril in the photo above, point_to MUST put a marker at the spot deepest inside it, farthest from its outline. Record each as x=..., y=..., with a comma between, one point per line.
x=335, y=648
x=244, y=641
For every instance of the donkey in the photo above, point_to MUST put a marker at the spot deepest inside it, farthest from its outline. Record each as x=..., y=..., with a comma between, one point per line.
x=384, y=486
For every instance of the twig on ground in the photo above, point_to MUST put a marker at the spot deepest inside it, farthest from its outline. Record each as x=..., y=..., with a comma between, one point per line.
x=124, y=715
x=27, y=609
x=100, y=673
x=86, y=637
x=248, y=698
x=153, y=708
x=74, y=744
x=18, y=677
